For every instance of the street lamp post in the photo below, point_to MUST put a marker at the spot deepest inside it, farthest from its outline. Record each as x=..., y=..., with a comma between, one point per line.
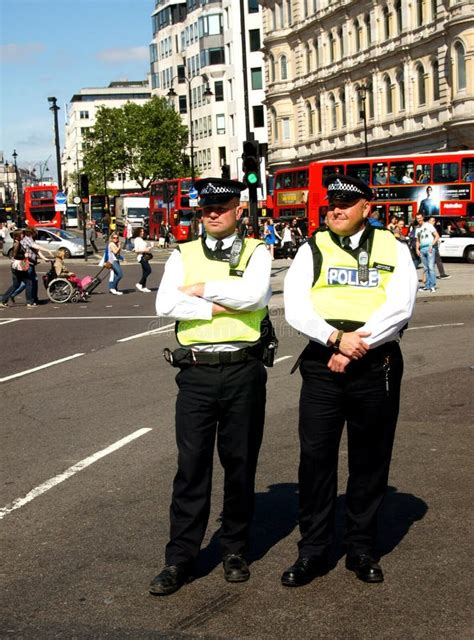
x=55, y=110
x=362, y=91
x=8, y=193
x=19, y=201
x=207, y=94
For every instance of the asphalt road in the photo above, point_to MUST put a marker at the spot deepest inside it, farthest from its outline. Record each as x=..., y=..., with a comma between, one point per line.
x=88, y=457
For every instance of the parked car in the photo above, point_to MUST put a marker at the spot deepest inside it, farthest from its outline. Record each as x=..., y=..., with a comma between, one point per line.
x=52, y=239
x=456, y=237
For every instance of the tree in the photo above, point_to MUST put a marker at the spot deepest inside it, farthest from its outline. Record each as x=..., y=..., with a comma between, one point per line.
x=146, y=142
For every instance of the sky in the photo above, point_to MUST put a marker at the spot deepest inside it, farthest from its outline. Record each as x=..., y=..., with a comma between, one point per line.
x=55, y=48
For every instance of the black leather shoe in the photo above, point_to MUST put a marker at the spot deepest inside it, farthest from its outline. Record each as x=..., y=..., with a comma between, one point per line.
x=235, y=568
x=365, y=567
x=171, y=578
x=304, y=571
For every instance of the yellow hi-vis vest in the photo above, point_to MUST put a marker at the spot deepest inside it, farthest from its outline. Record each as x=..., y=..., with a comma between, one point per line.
x=337, y=293
x=225, y=327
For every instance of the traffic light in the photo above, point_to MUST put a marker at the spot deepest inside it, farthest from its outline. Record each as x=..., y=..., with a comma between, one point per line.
x=84, y=185
x=225, y=171
x=251, y=163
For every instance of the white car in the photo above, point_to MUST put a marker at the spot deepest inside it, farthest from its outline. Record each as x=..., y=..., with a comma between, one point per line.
x=456, y=237
x=53, y=239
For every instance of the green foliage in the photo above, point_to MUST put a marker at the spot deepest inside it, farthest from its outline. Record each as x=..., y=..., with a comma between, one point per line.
x=145, y=142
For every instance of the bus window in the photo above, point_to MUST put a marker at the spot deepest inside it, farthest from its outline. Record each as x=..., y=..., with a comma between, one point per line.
x=361, y=171
x=379, y=173
x=445, y=172
x=404, y=211
x=423, y=173
x=302, y=178
x=381, y=210
x=330, y=170
x=402, y=172
x=467, y=169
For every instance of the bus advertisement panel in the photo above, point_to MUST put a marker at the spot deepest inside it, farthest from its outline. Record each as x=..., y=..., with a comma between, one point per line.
x=40, y=206
x=431, y=184
x=169, y=204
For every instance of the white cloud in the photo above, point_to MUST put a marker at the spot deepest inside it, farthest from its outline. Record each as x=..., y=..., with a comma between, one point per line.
x=21, y=52
x=127, y=54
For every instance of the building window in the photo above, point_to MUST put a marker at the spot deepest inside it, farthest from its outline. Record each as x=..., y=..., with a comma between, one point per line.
x=370, y=99
x=420, y=77
x=183, y=107
x=368, y=29
x=256, y=78
x=419, y=13
x=274, y=125
x=318, y=115
x=254, y=39
x=332, y=47
x=219, y=90
x=309, y=119
x=212, y=56
x=401, y=90
x=285, y=128
x=333, y=112
x=460, y=61
x=356, y=36
x=434, y=9
x=220, y=123
x=388, y=95
x=283, y=68
x=84, y=115
x=386, y=23
x=210, y=25
x=342, y=102
x=341, y=42
x=258, y=117
x=435, y=76
x=398, y=12
x=316, y=54
x=308, y=58
x=272, y=68
x=253, y=6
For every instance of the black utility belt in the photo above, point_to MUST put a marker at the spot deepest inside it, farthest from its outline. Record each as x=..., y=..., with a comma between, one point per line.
x=185, y=357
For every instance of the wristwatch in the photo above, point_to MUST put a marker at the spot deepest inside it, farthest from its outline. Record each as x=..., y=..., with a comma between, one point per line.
x=338, y=339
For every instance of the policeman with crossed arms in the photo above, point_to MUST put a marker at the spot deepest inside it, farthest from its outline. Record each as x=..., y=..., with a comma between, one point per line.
x=351, y=290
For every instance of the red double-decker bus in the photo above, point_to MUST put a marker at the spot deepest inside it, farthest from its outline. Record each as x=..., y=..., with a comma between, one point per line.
x=169, y=203
x=290, y=192
x=443, y=181
x=40, y=206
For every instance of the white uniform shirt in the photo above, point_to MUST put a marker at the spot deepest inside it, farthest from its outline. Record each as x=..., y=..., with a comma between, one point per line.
x=250, y=292
x=384, y=324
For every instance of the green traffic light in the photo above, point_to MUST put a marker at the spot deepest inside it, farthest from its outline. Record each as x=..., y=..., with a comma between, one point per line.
x=252, y=178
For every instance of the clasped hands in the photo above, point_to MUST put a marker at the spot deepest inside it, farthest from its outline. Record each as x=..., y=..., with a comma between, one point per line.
x=351, y=347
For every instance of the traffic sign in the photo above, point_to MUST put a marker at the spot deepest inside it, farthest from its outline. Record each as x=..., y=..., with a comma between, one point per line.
x=193, y=202
x=193, y=193
x=61, y=198
x=77, y=200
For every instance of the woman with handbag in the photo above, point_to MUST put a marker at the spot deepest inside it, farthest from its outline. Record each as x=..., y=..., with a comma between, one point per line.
x=144, y=255
x=114, y=257
x=19, y=270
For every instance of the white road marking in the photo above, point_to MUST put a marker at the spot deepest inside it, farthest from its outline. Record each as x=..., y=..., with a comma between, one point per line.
x=281, y=359
x=8, y=321
x=42, y=366
x=436, y=326
x=79, y=466
x=167, y=328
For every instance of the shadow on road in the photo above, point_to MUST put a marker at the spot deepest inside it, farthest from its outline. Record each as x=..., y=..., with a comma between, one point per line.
x=275, y=517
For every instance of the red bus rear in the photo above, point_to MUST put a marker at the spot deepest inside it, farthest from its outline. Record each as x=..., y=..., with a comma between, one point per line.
x=40, y=206
x=169, y=203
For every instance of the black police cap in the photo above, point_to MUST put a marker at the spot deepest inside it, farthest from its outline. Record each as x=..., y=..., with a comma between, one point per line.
x=218, y=190
x=346, y=188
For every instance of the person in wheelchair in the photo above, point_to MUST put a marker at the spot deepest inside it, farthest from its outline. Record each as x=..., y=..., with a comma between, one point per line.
x=63, y=285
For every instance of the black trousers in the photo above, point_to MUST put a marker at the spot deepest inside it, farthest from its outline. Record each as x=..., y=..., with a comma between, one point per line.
x=367, y=398
x=224, y=403
x=146, y=270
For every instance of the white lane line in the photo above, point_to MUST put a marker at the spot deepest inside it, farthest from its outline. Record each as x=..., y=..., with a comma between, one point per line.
x=79, y=466
x=281, y=359
x=8, y=321
x=168, y=328
x=436, y=326
x=42, y=366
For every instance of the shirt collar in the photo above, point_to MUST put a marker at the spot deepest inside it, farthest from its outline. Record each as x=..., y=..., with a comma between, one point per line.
x=226, y=242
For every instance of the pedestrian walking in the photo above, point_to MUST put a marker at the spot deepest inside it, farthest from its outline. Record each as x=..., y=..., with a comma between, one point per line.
x=33, y=252
x=217, y=288
x=19, y=270
x=426, y=239
x=144, y=255
x=91, y=236
x=438, y=260
x=351, y=290
x=114, y=256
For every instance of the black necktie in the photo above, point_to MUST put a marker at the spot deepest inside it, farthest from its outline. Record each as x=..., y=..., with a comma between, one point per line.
x=218, y=249
x=346, y=242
